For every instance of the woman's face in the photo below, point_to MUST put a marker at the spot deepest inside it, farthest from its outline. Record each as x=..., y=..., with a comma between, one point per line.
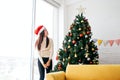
x=46, y=32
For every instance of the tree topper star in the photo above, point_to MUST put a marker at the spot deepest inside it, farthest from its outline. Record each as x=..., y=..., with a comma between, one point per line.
x=81, y=9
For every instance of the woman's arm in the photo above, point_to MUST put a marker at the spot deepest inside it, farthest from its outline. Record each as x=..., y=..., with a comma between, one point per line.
x=51, y=49
x=40, y=58
x=51, y=52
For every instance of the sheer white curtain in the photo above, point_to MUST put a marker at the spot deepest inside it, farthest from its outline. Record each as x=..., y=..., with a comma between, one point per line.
x=15, y=39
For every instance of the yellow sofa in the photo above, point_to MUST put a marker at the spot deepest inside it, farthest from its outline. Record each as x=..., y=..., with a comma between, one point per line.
x=87, y=72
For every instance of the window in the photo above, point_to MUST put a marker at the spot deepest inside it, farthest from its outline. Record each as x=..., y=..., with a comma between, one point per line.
x=15, y=39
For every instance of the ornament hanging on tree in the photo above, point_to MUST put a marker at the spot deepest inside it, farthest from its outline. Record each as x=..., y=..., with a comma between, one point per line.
x=79, y=29
x=81, y=35
x=69, y=31
x=69, y=46
x=84, y=32
x=86, y=55
x=65, y=49
x=69, y=40
x=82, y=21
x=75, y=55
x=70, y=34
x=75, y=45
x=63, y=59
x=93, y=49
x=88, y=59
x=73, y=41
x=56, y=57
x=69, y=57
x=81, y=47
x=88, y=32
x=78, y=38
x=79, y=60
x=86, y=36
x=91, y=62
x=59, y=66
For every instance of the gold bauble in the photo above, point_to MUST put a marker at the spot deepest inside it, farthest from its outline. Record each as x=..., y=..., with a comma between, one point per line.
x=82, y=21
x=68, y=46
x=79, y=29
x=75, y=55
x=93, y=49
x=69, y=57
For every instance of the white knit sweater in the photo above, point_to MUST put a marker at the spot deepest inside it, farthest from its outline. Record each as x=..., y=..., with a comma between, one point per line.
x=45, y=52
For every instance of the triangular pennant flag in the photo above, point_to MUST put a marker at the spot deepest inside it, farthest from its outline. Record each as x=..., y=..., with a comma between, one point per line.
x=111, y=42
x=99, y=42
x=117, y=42
x=105, y=42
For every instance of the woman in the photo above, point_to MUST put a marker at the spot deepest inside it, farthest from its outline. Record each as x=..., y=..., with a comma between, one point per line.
x=44, y=47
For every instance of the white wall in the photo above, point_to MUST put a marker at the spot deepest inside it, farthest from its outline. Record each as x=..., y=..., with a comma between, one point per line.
x=104, y=18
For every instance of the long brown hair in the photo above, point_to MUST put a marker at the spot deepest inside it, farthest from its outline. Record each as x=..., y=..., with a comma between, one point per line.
x=40, y=40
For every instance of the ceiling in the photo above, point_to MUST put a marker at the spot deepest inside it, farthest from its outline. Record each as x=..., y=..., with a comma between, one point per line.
x=69, y=2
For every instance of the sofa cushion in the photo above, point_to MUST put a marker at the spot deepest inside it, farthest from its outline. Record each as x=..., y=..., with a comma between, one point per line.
x=93, y=72
x=56, y=76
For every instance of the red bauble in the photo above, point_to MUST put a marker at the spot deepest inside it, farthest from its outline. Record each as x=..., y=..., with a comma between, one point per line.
x=88, y=32
x=57, y=58
x=59, y=65
x=59, y=68
x=79, y=60
x=81, y=35
x=73, y=41
x=65, y=50
x=91, y=62
x=70, y=34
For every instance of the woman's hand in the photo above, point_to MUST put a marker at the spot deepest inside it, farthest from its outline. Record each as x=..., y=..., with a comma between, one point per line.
x=48, y=63
x=45, y=66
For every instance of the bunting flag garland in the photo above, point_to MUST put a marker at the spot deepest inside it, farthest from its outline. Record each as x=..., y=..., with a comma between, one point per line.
x=111, y=42
x=99, y=42
x=105, y=42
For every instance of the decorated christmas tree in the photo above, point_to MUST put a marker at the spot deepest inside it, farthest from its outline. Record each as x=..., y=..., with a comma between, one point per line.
x=78, y=46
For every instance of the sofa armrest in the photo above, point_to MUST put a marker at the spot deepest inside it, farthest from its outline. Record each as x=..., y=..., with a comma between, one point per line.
x=56, y=76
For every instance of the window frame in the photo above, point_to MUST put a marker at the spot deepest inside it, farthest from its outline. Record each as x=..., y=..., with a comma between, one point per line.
x=56, y=32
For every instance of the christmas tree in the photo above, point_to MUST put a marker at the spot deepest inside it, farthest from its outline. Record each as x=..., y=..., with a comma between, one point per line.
x=78, y=47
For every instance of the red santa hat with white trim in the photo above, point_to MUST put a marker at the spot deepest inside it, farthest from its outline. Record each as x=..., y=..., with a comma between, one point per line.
x=39, y=29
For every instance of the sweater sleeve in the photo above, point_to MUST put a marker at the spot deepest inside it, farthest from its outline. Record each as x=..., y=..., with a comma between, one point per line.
x=39, y=57
x=51, y=49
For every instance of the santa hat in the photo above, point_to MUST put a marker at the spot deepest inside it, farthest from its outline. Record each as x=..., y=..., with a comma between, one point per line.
x=39, y=29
